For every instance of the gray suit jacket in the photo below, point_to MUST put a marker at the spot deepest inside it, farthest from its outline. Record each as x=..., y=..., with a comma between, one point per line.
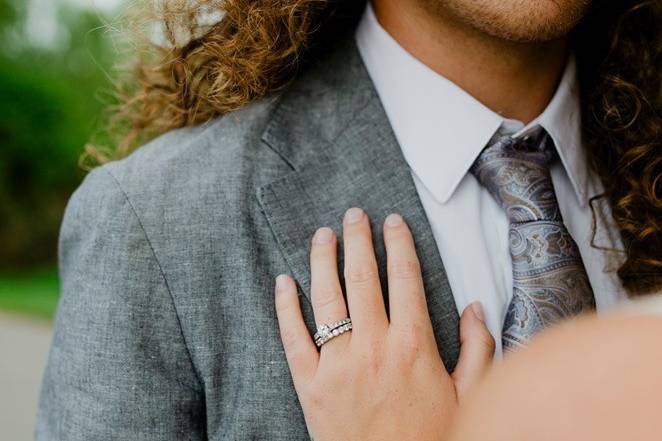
x=166, y=327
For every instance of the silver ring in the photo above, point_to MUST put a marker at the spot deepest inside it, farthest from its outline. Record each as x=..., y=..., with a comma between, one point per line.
x=326, y=332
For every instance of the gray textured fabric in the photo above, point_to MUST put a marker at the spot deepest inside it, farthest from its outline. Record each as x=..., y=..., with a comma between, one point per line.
x=166, y=327
x=550, y=283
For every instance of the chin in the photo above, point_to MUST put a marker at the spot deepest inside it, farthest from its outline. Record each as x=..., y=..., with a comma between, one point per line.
x=519, y=20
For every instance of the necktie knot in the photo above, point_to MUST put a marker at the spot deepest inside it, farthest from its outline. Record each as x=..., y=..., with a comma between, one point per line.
x=516, y=172
x=549, y=279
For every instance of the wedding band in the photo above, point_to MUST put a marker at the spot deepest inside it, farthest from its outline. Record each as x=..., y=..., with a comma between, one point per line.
x=327, y=332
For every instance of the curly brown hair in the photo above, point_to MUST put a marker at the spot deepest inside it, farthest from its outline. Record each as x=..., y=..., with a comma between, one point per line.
x=201, y=70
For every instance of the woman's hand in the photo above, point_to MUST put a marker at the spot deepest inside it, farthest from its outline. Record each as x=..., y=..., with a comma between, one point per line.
x=385, y=379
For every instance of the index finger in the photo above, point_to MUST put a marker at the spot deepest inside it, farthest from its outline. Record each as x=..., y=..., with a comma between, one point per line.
x=302, y=356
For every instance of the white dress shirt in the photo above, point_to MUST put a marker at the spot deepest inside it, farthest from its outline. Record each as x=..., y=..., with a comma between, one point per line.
x=441, y=130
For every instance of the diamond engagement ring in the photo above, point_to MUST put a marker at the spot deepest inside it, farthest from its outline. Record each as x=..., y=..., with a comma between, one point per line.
x=326, y=332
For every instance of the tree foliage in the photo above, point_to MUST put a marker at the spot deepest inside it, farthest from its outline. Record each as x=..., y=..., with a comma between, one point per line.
x=50, y=102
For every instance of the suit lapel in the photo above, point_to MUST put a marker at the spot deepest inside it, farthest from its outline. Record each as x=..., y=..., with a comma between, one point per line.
x=331, y=129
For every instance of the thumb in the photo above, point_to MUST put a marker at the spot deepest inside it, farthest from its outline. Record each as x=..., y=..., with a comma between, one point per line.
x=476, y=349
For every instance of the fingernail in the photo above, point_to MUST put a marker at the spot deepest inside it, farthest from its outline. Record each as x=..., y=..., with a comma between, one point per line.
x=393, y=220
x=353, y=215
x=323, y=235
x=281, y=283
x=478, y=311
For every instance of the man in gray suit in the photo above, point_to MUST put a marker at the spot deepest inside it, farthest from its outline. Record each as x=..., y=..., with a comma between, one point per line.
x=166, y=327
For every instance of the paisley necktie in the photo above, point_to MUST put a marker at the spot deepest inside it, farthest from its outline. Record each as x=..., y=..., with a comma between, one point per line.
x=549, y=279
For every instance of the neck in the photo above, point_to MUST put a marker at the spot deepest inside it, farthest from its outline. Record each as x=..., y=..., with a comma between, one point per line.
x=516, y=80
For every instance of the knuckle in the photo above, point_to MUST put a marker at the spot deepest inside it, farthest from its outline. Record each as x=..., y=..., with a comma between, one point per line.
x=315, y=396
x=320, y=252
x=284, y=305
x=413, y=341
x=360, y=274
x=325, y=298
x=488, y=341
x=400, y=235
x=289, y=339
x=484, y=339
x=416, y=334
x=297, y=360
x=371, y=362
x=404, y=269
x=373, y=367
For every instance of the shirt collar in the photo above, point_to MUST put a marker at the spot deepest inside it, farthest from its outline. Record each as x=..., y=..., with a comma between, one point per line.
x=442, y=129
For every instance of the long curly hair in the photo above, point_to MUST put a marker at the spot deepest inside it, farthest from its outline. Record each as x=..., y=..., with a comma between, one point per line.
x=205, y=58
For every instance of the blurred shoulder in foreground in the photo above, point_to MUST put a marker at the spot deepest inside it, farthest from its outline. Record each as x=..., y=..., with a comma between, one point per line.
x=590, y=379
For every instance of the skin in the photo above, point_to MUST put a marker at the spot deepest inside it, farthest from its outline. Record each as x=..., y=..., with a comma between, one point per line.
x=584, y=380
x=508, y=54
x=385, y=379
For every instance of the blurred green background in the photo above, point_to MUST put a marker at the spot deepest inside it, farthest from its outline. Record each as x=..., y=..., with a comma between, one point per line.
x=54, y=83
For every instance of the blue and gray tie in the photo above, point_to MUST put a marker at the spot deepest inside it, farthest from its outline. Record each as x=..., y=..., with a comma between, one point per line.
x=549, y=279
